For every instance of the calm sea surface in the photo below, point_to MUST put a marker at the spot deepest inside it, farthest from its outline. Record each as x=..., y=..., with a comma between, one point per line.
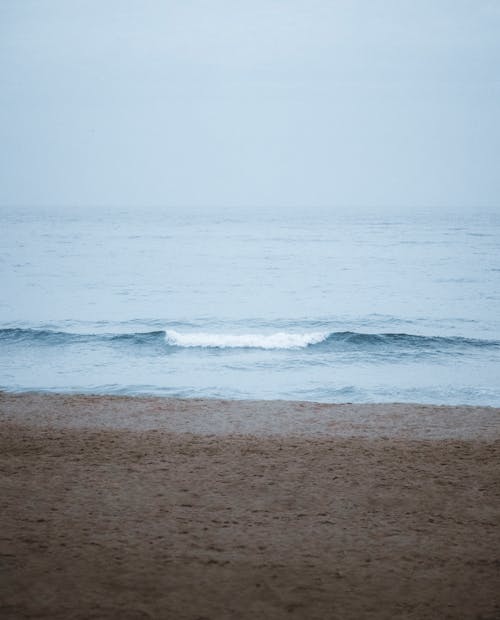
x=242, y=304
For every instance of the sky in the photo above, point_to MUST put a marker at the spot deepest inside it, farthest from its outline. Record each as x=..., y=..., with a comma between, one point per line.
x=341, y=104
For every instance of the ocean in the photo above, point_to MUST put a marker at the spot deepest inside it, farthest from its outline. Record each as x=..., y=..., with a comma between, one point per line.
x=252, y=304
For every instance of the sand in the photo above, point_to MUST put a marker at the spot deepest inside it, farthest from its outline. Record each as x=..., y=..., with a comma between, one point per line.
x=133, y=508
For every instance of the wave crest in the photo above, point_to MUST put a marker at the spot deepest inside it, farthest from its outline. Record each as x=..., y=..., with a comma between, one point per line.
x=322, y=340
x=279, y=340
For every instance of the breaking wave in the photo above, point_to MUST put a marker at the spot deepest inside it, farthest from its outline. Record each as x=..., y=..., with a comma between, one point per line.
x=284, y=340
x=280, y=340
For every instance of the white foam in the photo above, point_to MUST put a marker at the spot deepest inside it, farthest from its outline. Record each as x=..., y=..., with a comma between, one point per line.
x=279, y=340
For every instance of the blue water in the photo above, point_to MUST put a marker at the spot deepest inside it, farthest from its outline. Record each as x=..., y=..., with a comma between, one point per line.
x=252, y=304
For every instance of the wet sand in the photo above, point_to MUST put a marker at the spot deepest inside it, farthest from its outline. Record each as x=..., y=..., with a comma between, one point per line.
x=131, y=508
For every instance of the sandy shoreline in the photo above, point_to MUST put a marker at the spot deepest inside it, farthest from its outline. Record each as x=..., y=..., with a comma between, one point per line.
x=115, y=507
x=259, y=418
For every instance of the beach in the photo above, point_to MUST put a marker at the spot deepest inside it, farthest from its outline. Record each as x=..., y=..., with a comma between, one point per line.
x=249, y=310
x=136, y=508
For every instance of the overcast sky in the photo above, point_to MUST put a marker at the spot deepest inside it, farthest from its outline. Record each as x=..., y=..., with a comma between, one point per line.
x=348, y=103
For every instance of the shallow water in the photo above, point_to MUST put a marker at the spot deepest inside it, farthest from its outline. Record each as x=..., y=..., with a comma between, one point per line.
x=259, y=304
